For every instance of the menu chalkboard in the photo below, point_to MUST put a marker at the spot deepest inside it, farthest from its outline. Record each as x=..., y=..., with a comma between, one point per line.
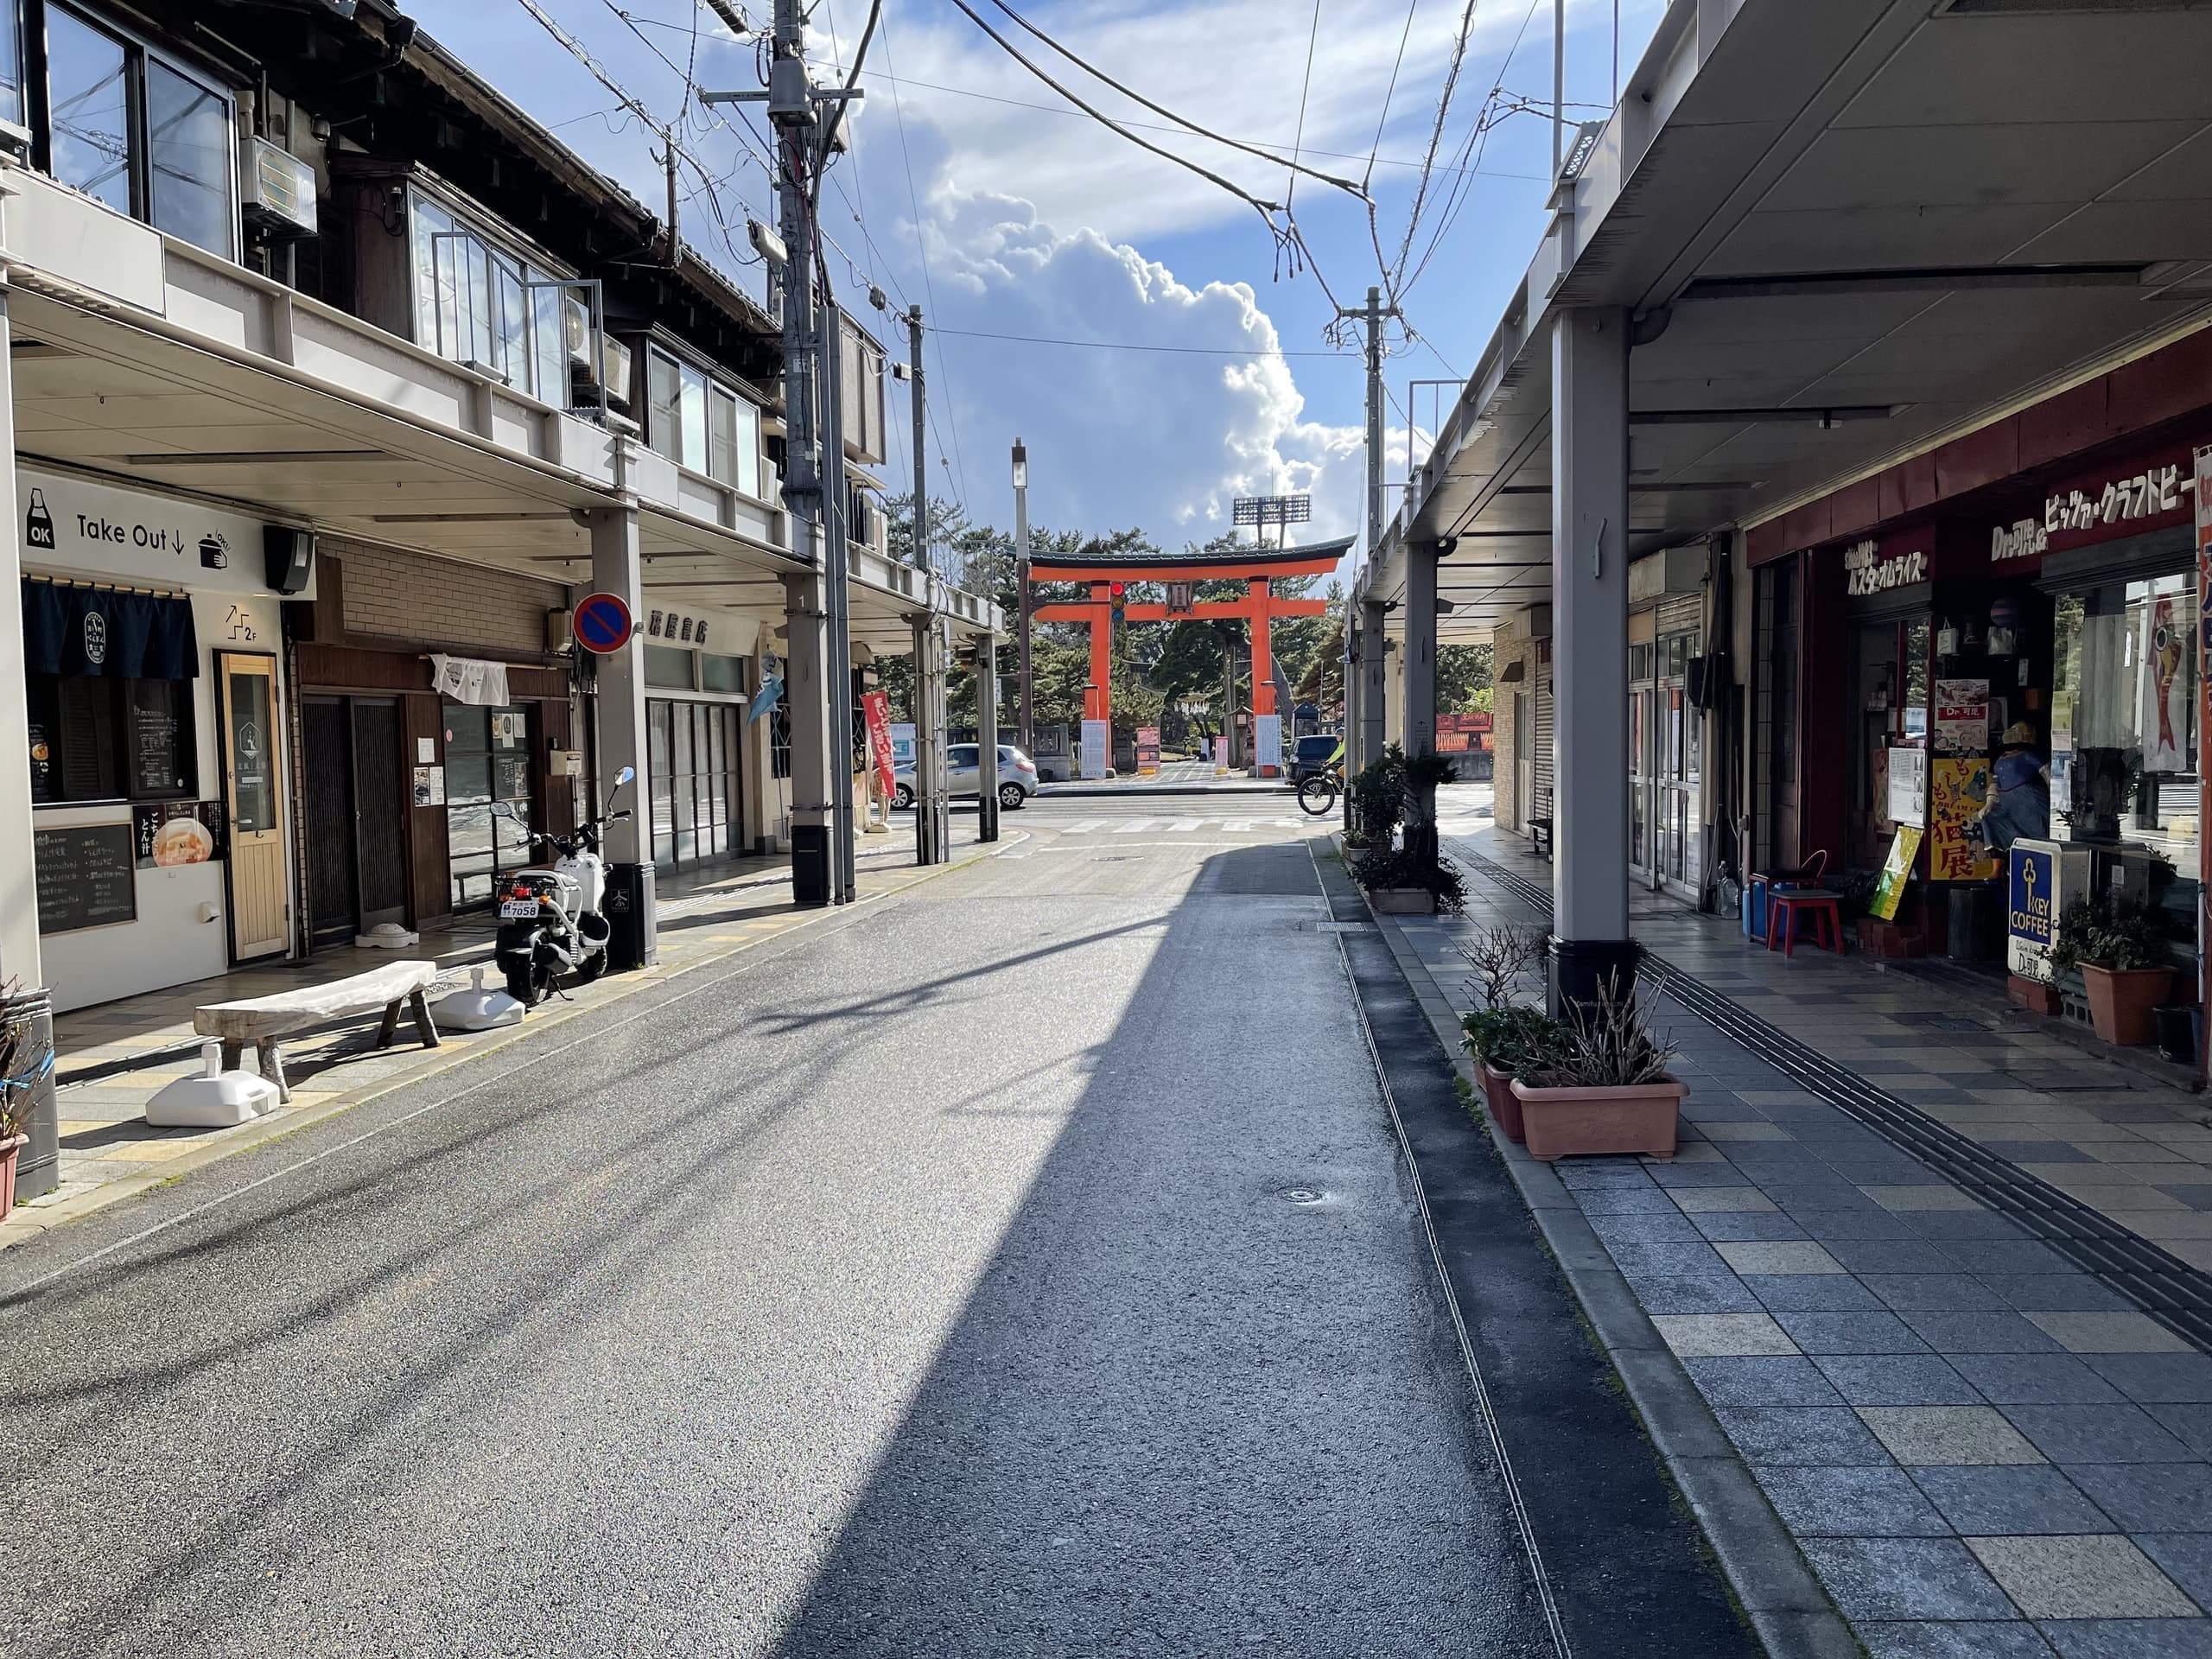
x=156, y=733
x=86, y=877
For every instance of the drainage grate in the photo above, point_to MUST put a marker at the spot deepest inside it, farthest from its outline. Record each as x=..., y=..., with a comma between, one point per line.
x=2163, y=1286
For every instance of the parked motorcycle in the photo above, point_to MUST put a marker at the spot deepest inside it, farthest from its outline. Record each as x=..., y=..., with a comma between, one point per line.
x=551, y=927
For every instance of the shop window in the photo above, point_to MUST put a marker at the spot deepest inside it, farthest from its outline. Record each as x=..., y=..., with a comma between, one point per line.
x=479, y=302
x=668, y=667
x=11, y=67
x=723, y=673
x=2124, y=731
x=692, y=760
x=697, y=423
x=143, y=136
x=103, y=739
x=108, y=680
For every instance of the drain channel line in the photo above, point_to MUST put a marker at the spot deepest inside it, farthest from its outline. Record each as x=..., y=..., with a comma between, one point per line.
x=1523, y=1521
x=2162, y=1285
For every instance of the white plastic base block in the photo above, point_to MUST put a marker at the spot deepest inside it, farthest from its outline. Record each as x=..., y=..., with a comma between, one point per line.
x=482, y=1008
x=386, y=935
x=215, y=1099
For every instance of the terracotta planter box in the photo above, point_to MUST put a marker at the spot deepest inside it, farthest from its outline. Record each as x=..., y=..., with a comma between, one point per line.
x=1581, y=1123
x=2120, y=1001
x=1402, y=901
x=1504, y=1104
x=1880, y=938
x=2033, y=995
x=9, y=1152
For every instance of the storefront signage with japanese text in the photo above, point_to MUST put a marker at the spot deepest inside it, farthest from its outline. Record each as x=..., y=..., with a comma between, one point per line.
x=1869, y=572
x=1909, y=786
x=1897, y=870
x=1962, y=716
x=2093, y=510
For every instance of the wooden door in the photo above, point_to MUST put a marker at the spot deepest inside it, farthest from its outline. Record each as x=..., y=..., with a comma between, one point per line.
x=334, y=888
x=253, y=788
x=381, y=794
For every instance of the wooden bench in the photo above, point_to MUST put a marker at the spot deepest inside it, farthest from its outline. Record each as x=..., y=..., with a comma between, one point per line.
x=1540, y=835
x=264, y=1021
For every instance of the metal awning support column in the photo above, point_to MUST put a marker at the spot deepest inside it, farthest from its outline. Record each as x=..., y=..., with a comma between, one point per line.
x=1590, y=803
x=806, y=686
x=1418, y=665
x=986, y=735
x=19, y=946
x=1374, y=692
x=618, y=568
x=933, y=822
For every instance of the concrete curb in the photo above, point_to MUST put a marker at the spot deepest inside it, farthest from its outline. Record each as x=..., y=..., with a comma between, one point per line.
x=28, y=1222
x=1790, y=1612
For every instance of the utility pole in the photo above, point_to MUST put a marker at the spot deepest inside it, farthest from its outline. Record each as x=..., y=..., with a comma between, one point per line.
x=921, y=450
x=796, y=111
x=1373, y=313
x=1027, y=715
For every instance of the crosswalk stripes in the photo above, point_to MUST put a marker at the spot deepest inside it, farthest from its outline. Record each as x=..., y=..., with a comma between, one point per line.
x=1176, y=826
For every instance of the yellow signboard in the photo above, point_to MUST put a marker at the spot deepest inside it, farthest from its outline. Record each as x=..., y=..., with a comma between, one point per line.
x=1957, y=791
x=1897, y=870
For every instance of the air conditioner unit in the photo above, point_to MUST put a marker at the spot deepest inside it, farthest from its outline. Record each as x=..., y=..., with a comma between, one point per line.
x=575, y=329
x=560, y=630
x=278, y=190
x=611, y=371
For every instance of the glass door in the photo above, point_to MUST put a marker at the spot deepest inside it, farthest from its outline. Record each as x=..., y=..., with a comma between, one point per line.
x=1678, y=777
x=488, y=802
x=1642, y=784
x=253, y=787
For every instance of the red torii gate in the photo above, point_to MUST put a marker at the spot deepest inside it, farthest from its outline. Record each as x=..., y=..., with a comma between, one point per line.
x=1257, y=568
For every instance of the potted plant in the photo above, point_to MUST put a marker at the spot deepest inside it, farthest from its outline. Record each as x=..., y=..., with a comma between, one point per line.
x=1500, y=1037
x=2127, y=969
x=1507, y=1043
x=1605, y=1088
x=25, y=1058
x=1401, y=883
x=1378, y=799
x=1424, y=773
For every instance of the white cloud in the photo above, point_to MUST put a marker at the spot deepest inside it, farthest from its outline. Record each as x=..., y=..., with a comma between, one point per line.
x=1166, y=439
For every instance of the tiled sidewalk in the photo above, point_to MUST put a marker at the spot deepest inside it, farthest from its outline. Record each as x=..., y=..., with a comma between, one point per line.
x=109, y=1152
x=1981, y=1448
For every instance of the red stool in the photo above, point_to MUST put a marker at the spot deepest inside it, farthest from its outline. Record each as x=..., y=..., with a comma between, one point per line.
x=1783, y=906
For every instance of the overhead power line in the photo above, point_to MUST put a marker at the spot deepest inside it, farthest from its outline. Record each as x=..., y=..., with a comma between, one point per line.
x=1268, y=146
x=1131, y=346
x=1182, y=122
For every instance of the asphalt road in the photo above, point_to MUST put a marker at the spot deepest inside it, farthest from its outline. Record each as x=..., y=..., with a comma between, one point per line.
x=1023, y=1266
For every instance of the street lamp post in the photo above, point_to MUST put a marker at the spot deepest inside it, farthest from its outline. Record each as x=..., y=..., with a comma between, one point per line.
x=1026, y=717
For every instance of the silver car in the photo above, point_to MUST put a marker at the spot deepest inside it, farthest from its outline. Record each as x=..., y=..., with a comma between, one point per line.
x=963, y=773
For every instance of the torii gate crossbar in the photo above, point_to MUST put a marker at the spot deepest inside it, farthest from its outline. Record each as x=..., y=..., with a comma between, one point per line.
x=1257, y=568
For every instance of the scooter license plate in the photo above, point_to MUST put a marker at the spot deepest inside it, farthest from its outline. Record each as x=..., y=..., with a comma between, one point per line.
x=518, y=909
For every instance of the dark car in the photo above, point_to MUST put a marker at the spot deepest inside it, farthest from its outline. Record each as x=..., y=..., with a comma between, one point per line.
x=1312, y=754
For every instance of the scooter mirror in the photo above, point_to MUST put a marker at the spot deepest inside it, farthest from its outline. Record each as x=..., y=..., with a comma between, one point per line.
x=624, y=776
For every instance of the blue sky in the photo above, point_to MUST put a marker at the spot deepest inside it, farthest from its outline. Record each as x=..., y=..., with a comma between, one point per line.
x=1003, y=219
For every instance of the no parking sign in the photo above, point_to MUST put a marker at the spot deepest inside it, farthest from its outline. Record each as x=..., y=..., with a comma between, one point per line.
x=602, y=623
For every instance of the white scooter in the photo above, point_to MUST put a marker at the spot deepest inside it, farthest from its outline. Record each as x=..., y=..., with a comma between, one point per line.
x=551, y=926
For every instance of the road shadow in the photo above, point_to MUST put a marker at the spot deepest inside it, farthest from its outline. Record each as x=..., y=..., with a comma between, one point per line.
x=1203, y=1399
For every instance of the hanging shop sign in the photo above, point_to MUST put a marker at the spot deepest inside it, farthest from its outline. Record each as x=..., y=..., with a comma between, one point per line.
x=78, y=528
x=1870, y=569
